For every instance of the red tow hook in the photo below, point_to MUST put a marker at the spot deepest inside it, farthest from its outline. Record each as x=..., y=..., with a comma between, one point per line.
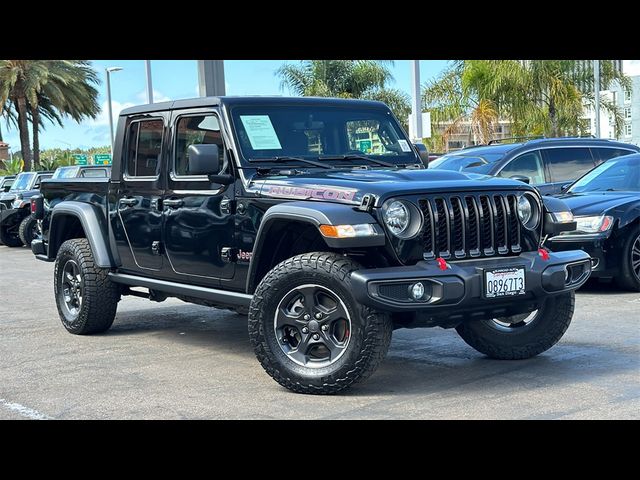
x=442, y=263
x=544, y=253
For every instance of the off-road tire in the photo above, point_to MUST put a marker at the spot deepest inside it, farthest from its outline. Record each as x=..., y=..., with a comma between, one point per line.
x=370, y=329
x=627, y=279
x=527, y=341
x=100, y=295
x=26, y=229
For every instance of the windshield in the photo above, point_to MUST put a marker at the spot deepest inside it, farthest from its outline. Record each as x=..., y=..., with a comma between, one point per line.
x=23, y=181
x=622, y=173
x=460, y=162
x=65, y=172
x=315, y=132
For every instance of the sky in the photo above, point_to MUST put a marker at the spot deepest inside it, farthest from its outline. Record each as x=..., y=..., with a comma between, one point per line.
x=175, y=79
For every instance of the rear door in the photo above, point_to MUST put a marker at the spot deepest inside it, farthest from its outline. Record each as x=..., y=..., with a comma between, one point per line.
x=137, y=224
x=564, y=165
x=198, y=214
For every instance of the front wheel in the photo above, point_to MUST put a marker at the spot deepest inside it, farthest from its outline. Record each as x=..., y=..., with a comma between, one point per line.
x=307, y=330
x=86, y=297
x=629, y=277
x=10, y=234
x=521, y=336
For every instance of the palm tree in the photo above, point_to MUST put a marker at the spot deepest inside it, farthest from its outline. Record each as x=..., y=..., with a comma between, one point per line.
x=455, y=97
x=49, y=89
x=345, y=79
x=20, y=82
x=67, y=91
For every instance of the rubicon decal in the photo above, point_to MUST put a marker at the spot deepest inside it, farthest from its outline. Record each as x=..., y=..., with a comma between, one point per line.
x=312, y=193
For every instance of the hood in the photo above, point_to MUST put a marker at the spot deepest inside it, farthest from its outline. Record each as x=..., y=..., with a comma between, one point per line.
x=349, y=186
x=598, y=203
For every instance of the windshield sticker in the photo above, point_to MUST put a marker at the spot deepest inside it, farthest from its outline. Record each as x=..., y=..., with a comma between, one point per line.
x=404, y=145
x=261, y=132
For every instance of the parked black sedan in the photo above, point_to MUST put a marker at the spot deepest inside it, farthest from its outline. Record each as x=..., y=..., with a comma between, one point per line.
x=606, y=205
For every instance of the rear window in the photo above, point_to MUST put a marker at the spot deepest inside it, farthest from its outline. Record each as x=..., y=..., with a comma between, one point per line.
x=603, y=154
x=66, y=172
x=144, y=145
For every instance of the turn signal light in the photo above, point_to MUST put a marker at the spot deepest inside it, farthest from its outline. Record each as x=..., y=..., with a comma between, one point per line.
x=347, y=231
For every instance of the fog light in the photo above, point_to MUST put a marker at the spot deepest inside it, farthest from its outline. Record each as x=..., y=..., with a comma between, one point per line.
x=417, y=291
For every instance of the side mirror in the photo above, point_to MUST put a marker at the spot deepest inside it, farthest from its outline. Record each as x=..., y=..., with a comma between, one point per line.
x=6, y=189
x=204, y=159
x=521, y=178
x=423, y=152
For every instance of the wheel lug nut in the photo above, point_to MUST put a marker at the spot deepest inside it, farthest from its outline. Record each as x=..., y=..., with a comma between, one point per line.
x=316, y=336
x=325, y=328
x=305, y=330
x=307, y=316
x=318, y=316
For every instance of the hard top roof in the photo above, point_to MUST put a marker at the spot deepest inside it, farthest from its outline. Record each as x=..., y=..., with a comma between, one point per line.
x=247, y=100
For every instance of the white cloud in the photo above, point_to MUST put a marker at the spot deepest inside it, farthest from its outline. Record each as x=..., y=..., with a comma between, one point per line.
x=157, y=96
x=103, y=117
x=631, y=67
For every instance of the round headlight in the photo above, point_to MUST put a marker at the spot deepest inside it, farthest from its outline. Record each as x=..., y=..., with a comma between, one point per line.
x=525, y=210
x=528, y=212
x=397, y=217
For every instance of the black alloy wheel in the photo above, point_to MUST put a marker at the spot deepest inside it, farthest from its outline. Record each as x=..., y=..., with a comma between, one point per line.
x=312, y=325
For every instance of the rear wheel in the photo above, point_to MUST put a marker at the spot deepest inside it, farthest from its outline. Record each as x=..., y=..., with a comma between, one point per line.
x=29, y=230
x=629, y=277
x=521, y=336
x=85, y=296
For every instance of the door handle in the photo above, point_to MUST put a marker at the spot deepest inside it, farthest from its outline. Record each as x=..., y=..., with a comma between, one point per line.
x=177, y=202
x=129, y=202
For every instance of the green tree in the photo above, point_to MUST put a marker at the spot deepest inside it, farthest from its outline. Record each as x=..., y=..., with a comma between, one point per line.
x=365, y=79
x=539, y=97
x=47, y=89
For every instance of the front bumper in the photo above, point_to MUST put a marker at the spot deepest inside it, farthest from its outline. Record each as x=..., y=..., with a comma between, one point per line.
x=457, y=291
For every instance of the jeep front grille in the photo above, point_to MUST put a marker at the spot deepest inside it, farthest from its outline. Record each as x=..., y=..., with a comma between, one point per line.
x=475, y=225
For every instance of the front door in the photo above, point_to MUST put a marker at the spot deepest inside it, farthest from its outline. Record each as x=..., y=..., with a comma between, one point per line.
x=198, y=214
x=137, y=224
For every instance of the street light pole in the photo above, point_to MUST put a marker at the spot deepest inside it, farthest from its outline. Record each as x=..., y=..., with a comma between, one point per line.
x=415, y=101
x=596, y=87
x=147, y=68
x=108, y=71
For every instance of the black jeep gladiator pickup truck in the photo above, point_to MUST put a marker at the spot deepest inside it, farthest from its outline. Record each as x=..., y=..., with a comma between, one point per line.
x=316, y=217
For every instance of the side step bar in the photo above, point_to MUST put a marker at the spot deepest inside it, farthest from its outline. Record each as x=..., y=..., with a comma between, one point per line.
x=216, y=296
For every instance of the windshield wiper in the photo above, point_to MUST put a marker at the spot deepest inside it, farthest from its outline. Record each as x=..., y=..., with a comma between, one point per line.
x=357, y=157
x=290, y=159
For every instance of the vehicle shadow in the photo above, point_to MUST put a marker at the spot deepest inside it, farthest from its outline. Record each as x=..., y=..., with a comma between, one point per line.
x=420, y=361
x=603, y=287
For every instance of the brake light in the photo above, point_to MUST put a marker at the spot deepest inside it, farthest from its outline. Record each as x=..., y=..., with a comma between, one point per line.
x=33, y=206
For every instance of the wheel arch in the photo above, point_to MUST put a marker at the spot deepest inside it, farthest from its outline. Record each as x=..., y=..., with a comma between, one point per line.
x=80, y=220
x=287, y=227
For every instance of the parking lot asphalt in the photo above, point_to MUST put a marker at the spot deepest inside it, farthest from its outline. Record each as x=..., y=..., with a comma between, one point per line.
x=174, y=360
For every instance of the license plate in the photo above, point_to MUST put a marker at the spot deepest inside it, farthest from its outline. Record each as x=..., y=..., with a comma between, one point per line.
x=504, y=282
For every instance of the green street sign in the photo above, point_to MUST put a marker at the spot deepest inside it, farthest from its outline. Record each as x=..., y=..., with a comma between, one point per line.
x=102, y=159
x=81, y=159
x=365, y=146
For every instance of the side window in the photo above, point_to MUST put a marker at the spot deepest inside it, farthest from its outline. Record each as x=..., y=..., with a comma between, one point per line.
x=94, y=173
x=568, y=163
x=144, y=147
x=527, y=165
x=604, y=154
x=195, y=129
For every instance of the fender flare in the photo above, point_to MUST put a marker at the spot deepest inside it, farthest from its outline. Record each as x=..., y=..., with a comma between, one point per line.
x=316, y=214
x=93, y=223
